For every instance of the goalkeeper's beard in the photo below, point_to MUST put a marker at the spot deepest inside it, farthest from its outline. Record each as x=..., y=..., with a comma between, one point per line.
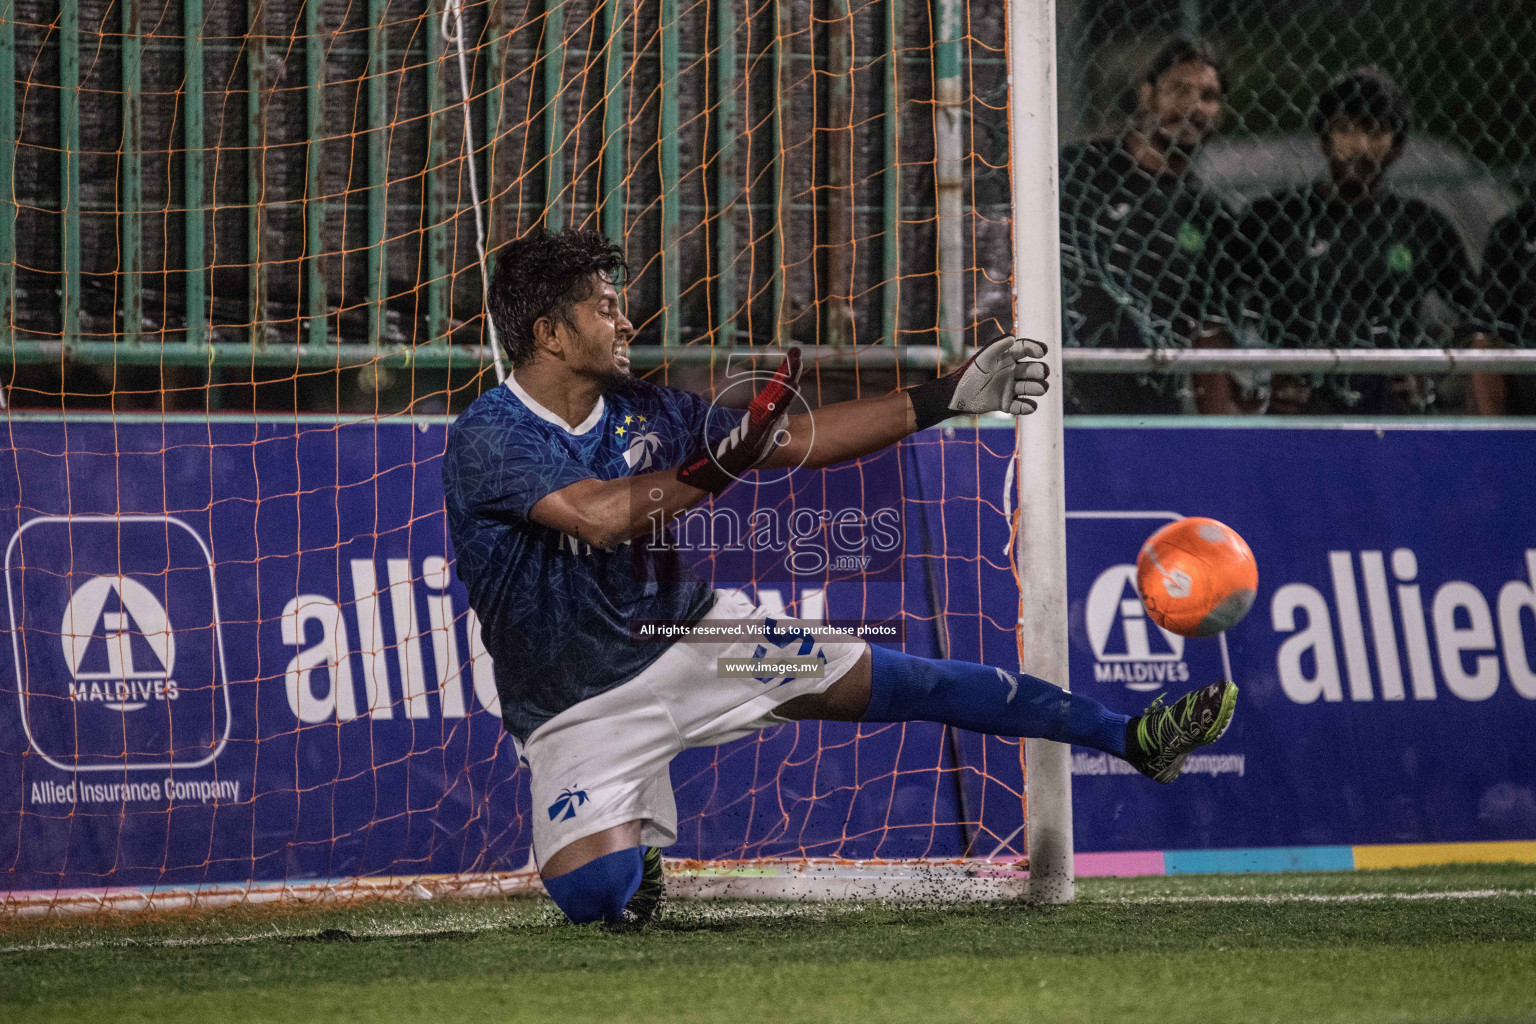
x=614, y=382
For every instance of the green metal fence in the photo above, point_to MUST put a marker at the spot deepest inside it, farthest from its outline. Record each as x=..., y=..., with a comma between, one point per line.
x=285, y=183
x=290, y=173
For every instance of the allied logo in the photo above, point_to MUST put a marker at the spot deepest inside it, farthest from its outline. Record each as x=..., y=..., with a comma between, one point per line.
x=564, y=807
x=119, y=661
x=119, y=645
x=1127, y=646
x=1115, y=644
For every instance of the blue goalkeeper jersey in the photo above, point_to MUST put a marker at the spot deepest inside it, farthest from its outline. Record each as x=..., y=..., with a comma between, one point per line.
x=554, y=612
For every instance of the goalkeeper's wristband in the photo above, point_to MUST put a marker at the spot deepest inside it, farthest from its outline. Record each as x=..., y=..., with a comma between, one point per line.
x=750, y=443
x=702, y=471
x=930, y=399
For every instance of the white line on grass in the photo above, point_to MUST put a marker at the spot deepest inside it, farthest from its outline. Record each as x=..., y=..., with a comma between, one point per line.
x=702, y=909
x=1300, y=897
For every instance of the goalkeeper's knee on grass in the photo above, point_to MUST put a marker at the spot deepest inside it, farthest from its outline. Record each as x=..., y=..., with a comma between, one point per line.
x=904, y=688
x=599, y=889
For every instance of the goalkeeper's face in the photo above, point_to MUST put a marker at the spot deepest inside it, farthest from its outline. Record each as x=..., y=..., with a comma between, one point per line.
x=599, y=332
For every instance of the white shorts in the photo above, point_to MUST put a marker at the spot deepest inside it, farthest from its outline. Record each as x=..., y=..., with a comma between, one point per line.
x=605, y=761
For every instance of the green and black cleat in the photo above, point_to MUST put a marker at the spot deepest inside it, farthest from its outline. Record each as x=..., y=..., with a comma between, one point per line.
x=646, y=905
x=1158, y=741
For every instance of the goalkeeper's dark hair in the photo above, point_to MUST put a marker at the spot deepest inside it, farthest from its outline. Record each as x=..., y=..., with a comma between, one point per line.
x=542, y=274
x=1184, y=50
x=1368, y=96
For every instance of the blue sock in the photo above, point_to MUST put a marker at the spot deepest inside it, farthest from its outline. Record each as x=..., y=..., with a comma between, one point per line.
x=599, y=889
x=904, y=688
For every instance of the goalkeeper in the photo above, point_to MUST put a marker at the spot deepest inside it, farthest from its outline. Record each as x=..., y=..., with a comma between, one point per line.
x=554, y=482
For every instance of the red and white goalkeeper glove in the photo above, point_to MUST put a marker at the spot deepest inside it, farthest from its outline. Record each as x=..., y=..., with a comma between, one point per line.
x=745, y=447
x=1006, y=376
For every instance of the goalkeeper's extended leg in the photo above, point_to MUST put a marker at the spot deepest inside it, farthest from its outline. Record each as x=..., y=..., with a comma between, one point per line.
x=888, y=686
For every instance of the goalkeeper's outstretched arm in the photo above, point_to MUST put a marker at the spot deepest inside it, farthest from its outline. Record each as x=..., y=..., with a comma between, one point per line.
x=846, y=430
x=1006, y=376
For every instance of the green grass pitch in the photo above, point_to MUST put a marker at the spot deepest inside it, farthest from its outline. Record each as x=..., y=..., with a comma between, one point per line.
x=1445, y=944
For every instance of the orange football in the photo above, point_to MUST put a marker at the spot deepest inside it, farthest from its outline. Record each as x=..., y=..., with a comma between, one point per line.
x=1196, y=577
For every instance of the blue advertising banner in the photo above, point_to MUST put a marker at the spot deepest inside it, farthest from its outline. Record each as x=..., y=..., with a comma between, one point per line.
x=238, y=652
x=1388, y=667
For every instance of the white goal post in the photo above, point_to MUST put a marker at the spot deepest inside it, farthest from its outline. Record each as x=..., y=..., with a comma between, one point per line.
x=1041, y=541
x=1039, y=546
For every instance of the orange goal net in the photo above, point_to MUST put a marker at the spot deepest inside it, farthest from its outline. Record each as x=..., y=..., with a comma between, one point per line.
x=242, y=287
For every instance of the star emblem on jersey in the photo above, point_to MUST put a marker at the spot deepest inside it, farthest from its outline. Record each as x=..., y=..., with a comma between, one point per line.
x=564, y=807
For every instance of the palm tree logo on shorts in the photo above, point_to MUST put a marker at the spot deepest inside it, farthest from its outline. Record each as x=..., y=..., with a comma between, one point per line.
x=564, y=807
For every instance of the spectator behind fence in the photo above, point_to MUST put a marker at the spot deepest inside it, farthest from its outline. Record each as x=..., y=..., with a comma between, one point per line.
x=1509, y=284
x=1343, y=263
x=1135, y=225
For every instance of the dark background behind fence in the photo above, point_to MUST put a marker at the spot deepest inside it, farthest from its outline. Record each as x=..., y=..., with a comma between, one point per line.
x=820, y=228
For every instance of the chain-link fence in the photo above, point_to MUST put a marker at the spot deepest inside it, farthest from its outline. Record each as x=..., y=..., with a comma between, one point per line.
x=1321, y=175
